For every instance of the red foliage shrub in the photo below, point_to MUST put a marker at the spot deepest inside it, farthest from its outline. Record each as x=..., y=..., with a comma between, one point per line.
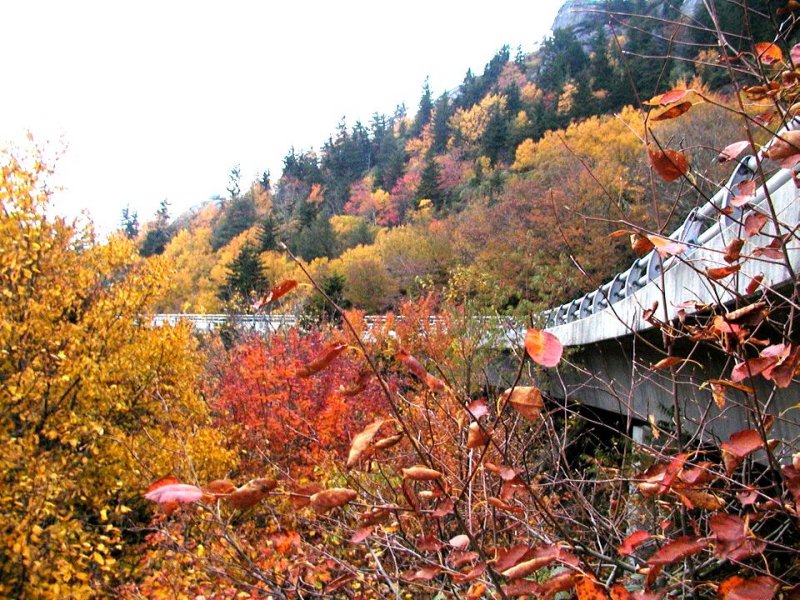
x=295, y=420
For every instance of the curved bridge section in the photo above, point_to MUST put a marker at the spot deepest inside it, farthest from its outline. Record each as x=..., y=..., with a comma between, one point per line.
x=616, y=308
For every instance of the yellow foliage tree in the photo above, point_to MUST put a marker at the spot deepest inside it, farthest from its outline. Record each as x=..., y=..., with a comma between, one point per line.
x=94, y=402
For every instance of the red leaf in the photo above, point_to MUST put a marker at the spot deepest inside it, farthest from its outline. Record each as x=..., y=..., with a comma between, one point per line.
x=768, y=53
x=425, y=573
x=543, y=347
x=743, y=442
x=476, y=437
x=754, y=283
x=733, y=150
x=446, y=507
x=733, y=542
x=633, y=541
x=478, y=408
x=461, y=542
x=325, y=358
x=774, y=250
x=672, y=112
x=361, y=534
x=794, y=53
x=752, y=367
x=429, y=543
x=745, y=192
x=754, y=223
x=717, y=273
x=669, y=164
x=678, y=549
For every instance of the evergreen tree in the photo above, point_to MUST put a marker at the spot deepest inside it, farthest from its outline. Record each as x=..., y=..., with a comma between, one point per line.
x=429, y=186
x=159, y=234
x=130, y=223
x=234, y=178
x=245, y=276
x=424, y=112
x=494, y=141
x=268, y=234
x=238, y=215
x=441, y=123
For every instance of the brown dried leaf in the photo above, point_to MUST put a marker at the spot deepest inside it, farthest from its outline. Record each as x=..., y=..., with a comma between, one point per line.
x=527, y=401
x=362, y=440
x=733, y=250
x=421, y=473
x=669, y=164
x=332, y=498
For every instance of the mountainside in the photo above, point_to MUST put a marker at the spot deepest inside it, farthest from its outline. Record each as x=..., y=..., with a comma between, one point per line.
x=495, y=192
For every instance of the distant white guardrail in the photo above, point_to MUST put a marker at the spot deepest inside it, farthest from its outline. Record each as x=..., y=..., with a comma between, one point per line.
x=209, y=323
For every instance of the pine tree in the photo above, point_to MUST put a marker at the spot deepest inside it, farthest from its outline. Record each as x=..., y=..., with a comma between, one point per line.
x=130, y=223
x=245, y=275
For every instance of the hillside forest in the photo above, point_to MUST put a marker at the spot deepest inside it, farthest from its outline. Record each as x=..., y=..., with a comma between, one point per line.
x=392, y=444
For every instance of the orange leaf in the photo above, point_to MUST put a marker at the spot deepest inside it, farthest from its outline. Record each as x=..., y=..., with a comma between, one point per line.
x=620, y=592
x=781, y=148
x=754, y=283
x=672, y=112
x=388, y=442
x=621, y=233
x=283, y=288
x=587, y=588
x=361, y=441
x=416, y=368
x=717, y=273
x=768, y=53
x=217, y=489
x=745, y=192
x=421, y=473
x=733, y=250
x=669, y=164
x=359, y=385
x=527, y=401
x=670, y=97
x=699, y=499
x=251, y=493
x=665, y=246
x=333, y=498
x=325, y=358
x=476, y=437
x=667, y=362
x=733, y=150
x=543, y=347
x=756, y=588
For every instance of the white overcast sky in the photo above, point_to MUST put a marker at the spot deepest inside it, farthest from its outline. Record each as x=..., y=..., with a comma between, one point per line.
x=159, y=99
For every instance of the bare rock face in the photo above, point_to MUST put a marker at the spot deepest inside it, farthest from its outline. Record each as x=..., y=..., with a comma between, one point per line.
x=582, y=16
